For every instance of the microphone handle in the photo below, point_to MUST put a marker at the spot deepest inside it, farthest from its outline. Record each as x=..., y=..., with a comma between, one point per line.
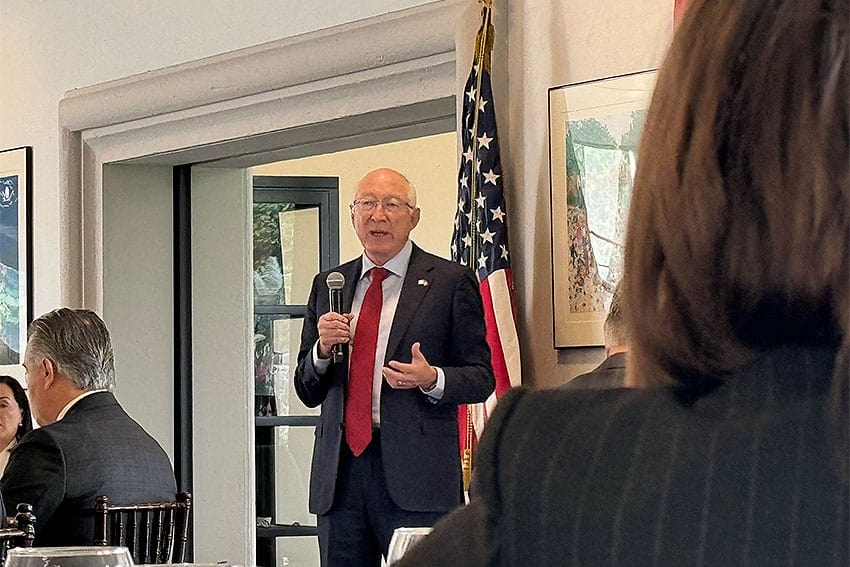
x=337, y=353
x=337, y=350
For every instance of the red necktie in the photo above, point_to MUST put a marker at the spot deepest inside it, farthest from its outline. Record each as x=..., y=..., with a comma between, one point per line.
x=358, y=399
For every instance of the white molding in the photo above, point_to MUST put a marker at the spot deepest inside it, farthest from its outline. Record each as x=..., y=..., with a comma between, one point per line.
x=297, y=106
x=408, y=35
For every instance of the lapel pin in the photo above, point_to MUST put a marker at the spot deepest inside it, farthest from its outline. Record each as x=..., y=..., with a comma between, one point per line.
x=423, y=283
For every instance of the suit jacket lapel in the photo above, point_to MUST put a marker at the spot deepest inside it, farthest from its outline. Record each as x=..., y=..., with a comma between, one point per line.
x=412, y=293
x=351, y=271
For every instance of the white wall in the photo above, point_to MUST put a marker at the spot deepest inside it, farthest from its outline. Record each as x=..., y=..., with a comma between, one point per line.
x=222, y=355
x=138, y=293
x=428, y=162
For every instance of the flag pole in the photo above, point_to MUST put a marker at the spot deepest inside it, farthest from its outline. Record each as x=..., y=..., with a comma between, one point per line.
x=483, y=48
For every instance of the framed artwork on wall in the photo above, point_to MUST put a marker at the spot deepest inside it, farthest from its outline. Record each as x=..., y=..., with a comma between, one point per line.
x=15, y=253
x=594, y=131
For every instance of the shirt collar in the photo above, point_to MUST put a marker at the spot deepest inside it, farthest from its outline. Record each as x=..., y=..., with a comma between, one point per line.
x=396, y=265
x=73, y=402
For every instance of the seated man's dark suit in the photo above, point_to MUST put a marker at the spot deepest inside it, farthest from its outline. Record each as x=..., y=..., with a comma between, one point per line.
x=95, y=449
x=439, y=307
x=742, y=471
x=610, y=374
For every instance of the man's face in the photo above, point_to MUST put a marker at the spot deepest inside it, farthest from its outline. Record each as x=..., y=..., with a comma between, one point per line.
x=383, y=232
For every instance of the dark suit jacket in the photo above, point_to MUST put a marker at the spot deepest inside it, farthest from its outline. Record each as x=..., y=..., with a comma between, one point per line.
x=96, y=449
x=742, y=473
x=610, y=374
x=419, y=438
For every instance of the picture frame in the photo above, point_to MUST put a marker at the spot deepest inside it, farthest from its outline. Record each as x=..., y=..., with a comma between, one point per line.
x=594, y=131
x=15, y=255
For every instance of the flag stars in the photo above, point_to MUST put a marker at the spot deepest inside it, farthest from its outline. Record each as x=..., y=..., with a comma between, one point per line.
x=504, y=251
x=481, y=200
x=478, y=169
x=482, y=262
x=487, y=236
x=490, y=177
x=484, y=141
x=464, y=182
x=468, y=154
x=481, y=104
x=467, y=240
x=471, y=93
x=498, y=214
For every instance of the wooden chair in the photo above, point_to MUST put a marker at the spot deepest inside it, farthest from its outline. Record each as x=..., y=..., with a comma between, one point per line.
x=20, y=533
x=154, y=532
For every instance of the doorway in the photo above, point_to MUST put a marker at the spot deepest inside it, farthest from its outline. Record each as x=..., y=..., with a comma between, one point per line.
x=285, y=442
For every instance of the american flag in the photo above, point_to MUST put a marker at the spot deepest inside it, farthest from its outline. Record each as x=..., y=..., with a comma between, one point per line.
x=480, y=238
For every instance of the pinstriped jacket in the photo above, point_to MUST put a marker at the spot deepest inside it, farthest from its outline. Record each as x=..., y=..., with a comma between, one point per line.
x=739, y=472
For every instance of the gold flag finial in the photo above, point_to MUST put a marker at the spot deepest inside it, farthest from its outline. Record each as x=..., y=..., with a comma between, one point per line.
x=484, y=37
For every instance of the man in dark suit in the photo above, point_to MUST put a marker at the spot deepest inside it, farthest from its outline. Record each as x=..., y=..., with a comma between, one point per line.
x=386, y=452
x=87, y=445
x=612, y=372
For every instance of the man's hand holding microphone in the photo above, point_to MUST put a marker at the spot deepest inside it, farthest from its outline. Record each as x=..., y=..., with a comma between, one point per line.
x=334, y=326
x=335, y=333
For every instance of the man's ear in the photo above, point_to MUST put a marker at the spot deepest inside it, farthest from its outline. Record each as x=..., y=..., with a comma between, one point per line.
x=49, y=373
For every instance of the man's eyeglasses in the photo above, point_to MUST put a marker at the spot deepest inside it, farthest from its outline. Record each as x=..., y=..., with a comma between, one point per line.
x=391, y=205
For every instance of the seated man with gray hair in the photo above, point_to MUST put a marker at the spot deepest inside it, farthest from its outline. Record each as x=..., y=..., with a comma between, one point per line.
x=612, y=372
x=87, y=445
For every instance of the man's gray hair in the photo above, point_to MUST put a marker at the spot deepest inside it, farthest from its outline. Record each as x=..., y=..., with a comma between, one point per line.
x=77, y=341
x=411, y=191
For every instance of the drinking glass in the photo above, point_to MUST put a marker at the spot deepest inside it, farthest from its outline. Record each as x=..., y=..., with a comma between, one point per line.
x=403, y=539
x=94, y=556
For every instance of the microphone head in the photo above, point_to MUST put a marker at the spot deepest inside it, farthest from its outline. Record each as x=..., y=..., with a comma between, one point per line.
x=335, y=280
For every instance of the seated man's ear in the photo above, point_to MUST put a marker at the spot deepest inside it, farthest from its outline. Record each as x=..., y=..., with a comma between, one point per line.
x=50, y=372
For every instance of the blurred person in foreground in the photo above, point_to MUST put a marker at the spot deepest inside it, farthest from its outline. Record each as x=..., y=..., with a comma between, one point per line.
x=87, y=445
x=612, y=372
x=15, y=416
x=387, y=450
x=737, y=278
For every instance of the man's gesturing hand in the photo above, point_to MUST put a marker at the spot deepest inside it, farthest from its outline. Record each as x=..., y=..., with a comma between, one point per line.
x=417, y=374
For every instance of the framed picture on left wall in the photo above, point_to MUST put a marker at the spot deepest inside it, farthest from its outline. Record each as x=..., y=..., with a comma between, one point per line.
x=15, y=253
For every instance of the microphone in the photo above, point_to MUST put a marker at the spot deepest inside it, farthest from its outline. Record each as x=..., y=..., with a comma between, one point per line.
x=335, y=282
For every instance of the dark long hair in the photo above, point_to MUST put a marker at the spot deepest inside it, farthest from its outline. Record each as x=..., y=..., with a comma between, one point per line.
x=23, y=403
x=739, y=230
